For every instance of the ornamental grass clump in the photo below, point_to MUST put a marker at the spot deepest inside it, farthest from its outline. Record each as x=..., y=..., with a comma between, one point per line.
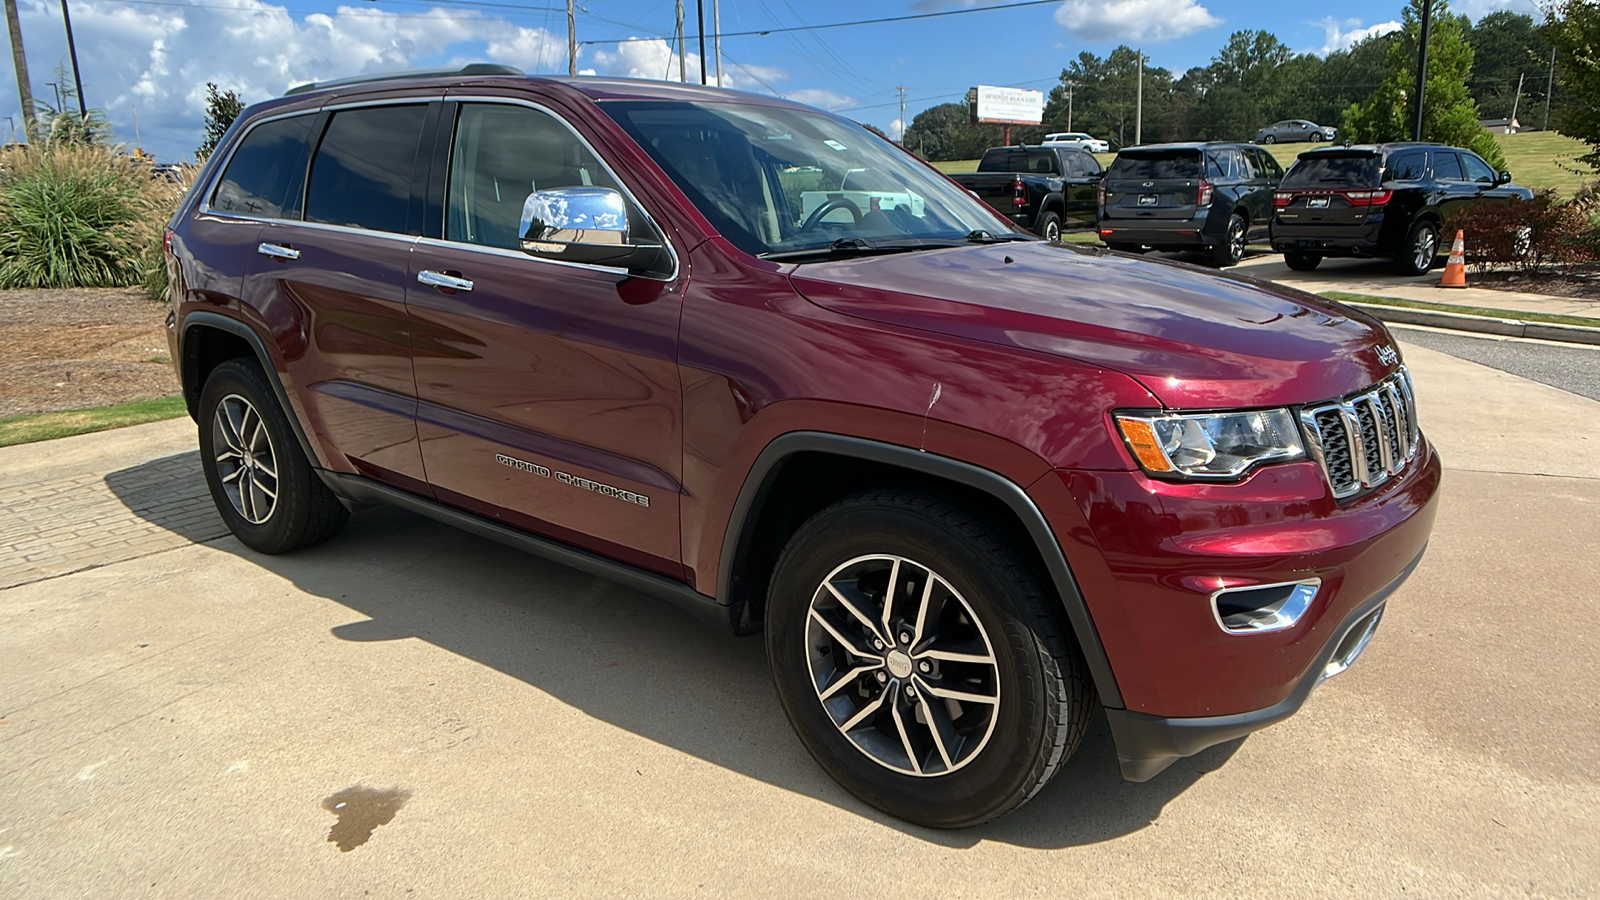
x=75, y=215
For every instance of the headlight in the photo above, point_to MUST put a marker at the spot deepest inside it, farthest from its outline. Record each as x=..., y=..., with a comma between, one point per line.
x=1210, y=445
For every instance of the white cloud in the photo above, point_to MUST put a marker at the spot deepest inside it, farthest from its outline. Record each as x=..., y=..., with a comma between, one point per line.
x=157, y=58
x=1477, y=9
x=1134, y=21
x=898, y=129
x=1342, y=35
x=822, y=98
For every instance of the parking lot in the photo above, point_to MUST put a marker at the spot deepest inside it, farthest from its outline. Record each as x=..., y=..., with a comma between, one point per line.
x=412, y=711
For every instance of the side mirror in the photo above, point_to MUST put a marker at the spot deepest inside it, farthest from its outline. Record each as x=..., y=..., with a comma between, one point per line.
x=1505, y=177
x=583, y=225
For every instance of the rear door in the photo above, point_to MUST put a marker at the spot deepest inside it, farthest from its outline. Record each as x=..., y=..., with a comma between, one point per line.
x=339, y=271
x=1155, y=185
x=1264, y=177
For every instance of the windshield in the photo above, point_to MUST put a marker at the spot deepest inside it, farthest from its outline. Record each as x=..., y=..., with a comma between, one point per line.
x=778, y=180
x=1337, y=171
x=1152, y=164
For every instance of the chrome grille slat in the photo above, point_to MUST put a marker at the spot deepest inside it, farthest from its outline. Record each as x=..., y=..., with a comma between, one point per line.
x=1363, y=439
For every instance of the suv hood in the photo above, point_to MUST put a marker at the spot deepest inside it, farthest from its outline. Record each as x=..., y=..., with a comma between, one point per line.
x=1194, y=338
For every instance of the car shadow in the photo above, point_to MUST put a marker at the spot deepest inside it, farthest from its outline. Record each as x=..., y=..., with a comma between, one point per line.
x=633, y=662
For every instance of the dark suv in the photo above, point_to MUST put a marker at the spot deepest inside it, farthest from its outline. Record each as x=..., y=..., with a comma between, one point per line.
x=1215, y=197
x=1385, y=200
x=747, y=357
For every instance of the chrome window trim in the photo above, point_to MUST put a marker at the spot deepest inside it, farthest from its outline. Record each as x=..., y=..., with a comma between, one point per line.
x=666, y=236
x=441, y=244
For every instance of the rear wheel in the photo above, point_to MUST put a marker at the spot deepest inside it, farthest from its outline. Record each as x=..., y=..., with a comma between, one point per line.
x=1269, y=139
x=1302, y=262
x=260, y=479
x=1050, y=226
x=1421, y=247
x=1231, y=249
x=918, y=659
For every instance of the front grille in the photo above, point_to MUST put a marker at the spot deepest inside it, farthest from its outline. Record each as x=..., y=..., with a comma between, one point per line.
x=1366, y=438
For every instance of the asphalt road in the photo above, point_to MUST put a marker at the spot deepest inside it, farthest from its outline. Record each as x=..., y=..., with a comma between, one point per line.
x=1571, y=367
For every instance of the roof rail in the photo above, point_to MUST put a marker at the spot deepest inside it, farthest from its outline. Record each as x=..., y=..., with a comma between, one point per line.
x=469, y=69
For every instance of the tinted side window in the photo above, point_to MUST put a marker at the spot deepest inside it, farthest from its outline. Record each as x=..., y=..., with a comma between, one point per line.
x=361, y=174
x=503, y=153
x=266, y=173
x=1072, y=164
x=1269, y=165
x=1446, y=167
x=1477, y=169
x=1406, y=166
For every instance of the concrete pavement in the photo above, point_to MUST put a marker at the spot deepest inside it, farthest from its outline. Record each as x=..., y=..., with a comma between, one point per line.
x=187, y=722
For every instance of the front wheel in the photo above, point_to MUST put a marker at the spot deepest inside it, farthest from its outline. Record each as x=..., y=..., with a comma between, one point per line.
x=1050, y=227
x=260, y=479
x=917, y=657
x=1231, y=249
x=1421, y=247
x=1315, y=136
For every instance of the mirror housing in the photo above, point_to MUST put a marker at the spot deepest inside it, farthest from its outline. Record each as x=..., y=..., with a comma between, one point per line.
x=1504, y=177
x=583, y=225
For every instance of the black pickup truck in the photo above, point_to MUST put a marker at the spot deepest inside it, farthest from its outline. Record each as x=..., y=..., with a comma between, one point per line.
x=1042, y=189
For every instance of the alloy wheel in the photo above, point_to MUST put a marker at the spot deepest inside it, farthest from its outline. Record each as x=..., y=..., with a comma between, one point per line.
x=1236, y=241
x=246, y=463
x=902, y=666
x=1426, y=248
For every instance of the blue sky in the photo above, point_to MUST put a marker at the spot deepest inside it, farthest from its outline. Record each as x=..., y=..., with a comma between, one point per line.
x=150, y=59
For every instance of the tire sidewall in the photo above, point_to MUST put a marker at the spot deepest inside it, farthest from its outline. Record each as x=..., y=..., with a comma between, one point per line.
x=1413, y=237
x=984, y=787
x=287, y=522
x=1048, y=223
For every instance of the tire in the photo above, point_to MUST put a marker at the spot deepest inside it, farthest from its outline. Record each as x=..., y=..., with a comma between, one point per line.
x=1421, y=248
x=1269, y=139
x=1126, y=248
x=1302, y=262
x=1049, y=226
x=991, y=605
x=250, y=453
x=1315, y=137
x=1231, y=249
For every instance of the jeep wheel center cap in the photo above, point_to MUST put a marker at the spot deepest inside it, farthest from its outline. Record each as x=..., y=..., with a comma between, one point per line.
x=899, y=663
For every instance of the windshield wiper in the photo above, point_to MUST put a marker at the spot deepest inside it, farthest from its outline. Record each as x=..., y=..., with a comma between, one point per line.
x=852, y=246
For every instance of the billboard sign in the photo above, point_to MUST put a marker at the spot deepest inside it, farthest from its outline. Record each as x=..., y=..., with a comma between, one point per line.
x=1006, y=106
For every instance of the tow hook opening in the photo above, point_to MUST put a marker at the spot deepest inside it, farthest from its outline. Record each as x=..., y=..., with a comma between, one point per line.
x=1261, y=608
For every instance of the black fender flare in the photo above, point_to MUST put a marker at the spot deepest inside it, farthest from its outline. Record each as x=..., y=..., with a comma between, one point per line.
x=757, y=485
x=191, y=391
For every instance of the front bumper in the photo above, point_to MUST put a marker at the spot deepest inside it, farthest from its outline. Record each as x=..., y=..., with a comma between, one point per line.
x=1147, y=745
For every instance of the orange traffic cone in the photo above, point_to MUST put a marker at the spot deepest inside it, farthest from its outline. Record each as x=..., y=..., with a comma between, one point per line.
x=1455, y=271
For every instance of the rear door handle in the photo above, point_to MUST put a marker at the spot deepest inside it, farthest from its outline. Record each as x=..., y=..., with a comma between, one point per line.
x=440, y=280
x=278, y=251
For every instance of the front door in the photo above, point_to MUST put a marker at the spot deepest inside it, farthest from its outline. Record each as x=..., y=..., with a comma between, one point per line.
x=549, y=391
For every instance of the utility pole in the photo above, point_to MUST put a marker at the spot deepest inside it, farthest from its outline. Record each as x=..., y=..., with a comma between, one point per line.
x=1069, y=106
x=902, y=90
x=572, y=39
x=1549, y=85
x=700, y=27
x=683, y=72
x=716, y=40
x=72, y=51
x=1422, y=69
x=1138, y=121
x=1515, y=101
x=20, y=60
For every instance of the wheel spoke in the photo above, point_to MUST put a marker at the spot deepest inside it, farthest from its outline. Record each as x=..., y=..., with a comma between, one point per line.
x=955, y=656
x=233, y=476
x=854, y=644
x=229, y=454
x=962, y=696
x=845, y=680
x=888, y=599
x=945, y=738
x=923, y=610
x=856, y=611
x=905, y=738
x=267, y=466
x=861, y=715
x=247, y=500
x=230, y=432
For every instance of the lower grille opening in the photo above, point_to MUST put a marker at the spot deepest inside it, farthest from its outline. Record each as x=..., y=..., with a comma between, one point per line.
x=1355, y=640
x=1260, y=608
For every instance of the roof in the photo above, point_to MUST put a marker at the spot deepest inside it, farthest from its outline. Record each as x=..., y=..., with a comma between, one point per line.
x=1187, y=145
x=1389, y=146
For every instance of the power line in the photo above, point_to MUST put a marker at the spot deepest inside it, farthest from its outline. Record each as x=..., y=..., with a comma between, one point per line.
x=881, y=21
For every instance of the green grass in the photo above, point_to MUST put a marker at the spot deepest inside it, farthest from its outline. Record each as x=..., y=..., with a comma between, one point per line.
x=1538, y=160
x=1519, y=315
x=44, y=426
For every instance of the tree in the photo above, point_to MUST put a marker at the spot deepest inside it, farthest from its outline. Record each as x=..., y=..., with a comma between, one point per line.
x=1506, y=46
x=1105, y=97
x=222, y=107
x=1574, y=29
x=1449, y=114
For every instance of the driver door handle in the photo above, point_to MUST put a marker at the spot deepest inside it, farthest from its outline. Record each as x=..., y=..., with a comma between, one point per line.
x=440, y=280
x=278, y=251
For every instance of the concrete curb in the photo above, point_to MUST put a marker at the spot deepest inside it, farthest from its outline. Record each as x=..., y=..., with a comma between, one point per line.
x=1544, y=331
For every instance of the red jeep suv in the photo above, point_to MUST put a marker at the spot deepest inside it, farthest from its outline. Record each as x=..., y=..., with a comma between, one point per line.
x=747, y=357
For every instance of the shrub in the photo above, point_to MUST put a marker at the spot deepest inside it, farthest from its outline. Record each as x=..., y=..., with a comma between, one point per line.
x=1532, y=236
x=75, y=215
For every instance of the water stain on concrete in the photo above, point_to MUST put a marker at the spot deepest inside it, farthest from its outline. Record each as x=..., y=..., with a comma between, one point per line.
x=360, y=810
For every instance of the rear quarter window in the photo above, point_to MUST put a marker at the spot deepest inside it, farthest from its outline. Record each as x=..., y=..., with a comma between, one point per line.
x=265, y=175
x=1160, y=164
x=1333, y=171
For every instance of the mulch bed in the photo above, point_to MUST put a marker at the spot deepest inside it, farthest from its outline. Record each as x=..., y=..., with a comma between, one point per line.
x=74, y=348
x=1583, y=283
